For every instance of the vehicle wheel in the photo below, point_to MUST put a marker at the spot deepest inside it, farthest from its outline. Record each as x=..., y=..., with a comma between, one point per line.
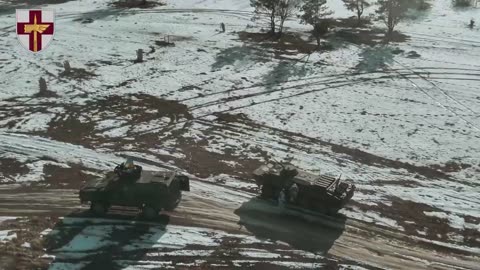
x=98, y=208
x=331, y=211
x=303, y=202
x=174, y=202
x=266, y=192
x=149, y=212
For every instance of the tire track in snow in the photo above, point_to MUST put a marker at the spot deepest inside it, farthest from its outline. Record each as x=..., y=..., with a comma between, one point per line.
x=211, y=206
x=335, y=79
x=329, y=84
x=440, y=89
x=438, y=102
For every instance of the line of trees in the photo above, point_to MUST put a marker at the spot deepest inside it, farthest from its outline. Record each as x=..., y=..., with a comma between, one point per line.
x=314, y=12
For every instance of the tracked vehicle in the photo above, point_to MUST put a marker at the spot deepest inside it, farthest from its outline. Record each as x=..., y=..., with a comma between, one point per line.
x=151, y=191
x=302, y=190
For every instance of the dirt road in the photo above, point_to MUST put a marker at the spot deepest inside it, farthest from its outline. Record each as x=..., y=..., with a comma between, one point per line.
x=237, y=212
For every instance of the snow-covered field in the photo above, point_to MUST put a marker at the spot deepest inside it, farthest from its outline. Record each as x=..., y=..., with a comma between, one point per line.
x=400, y=120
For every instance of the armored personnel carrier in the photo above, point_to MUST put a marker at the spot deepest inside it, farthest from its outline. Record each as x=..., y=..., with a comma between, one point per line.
x=297, y=188
x=128, y=185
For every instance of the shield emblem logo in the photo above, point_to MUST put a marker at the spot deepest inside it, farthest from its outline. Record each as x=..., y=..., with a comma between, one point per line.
x=35, y=28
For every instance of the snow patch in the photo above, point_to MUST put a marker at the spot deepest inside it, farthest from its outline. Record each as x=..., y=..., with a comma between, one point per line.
x=33, y=122
x=3, y=218
x=117, y=132
x=259, y=254
x=110, y=123
x=6, y=235
x=67, y=266
x=89, y=239
x=371, y=217
x=453, y=220
x=45, y=232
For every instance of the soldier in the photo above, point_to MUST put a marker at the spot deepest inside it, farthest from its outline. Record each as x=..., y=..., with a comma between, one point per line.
x=472, y=23
x=222, y=26
x=293, y=193
x=128, y=165
x=281, y=198
x=127, y=171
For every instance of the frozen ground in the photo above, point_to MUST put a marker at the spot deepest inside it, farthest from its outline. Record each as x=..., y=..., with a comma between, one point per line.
x=400, y=120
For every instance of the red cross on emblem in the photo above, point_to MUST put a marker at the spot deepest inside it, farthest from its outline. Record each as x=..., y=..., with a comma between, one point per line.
x=35, y=28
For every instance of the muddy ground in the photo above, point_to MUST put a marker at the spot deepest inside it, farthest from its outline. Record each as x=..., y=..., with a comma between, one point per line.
x=337, y=241
x=226, y=225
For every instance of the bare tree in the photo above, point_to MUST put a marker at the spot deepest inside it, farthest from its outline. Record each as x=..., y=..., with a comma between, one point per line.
x=391, y=12
x=314, y=13
x=285, y=9
x=268, y=7
x=358, y=6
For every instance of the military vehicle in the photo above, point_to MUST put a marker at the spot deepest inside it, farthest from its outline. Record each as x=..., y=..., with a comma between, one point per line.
x=300, y=189
x=151, y=191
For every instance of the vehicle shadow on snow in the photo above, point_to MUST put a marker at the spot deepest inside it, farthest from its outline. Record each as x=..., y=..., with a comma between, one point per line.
x=84, y=242
x=301, y=230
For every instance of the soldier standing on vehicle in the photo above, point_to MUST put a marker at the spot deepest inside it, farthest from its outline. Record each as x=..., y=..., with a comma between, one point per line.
x=127, y=171
x=129, y=164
